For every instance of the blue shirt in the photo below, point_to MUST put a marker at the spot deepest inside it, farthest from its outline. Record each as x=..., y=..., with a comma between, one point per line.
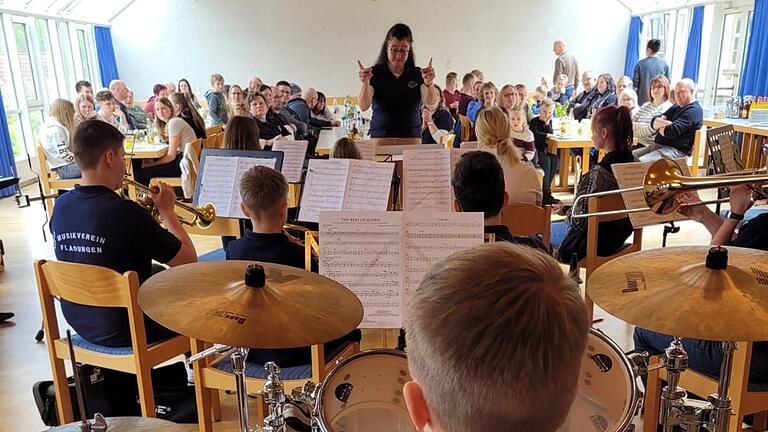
x=396, y=103
x=94, y=225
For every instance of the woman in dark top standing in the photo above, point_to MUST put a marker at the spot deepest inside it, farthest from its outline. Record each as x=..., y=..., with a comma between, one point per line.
x=395, y=87
x=437, y=121
x=611, y=132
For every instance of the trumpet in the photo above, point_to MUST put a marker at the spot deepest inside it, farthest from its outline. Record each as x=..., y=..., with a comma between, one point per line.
x=203, y=216
x=664, y=182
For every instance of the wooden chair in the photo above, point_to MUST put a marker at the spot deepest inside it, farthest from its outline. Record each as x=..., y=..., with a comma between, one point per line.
x=524, y=219
x=466, y=128
x=99, y=286
x=50, y=180
x=745, y=399
x=695, y=152
x=176, y=181
x=448, y=140
x=592, y=261
x=213, y=130
x=380, y=142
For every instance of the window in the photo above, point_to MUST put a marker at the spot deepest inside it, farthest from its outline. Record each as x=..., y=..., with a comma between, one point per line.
x=83, y=49
x=25, y=61
x=733, y=49
x=67, y=60
x=46, y=60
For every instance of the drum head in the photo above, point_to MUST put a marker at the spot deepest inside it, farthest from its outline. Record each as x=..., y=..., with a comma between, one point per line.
x=607, y=389
x=364, y=393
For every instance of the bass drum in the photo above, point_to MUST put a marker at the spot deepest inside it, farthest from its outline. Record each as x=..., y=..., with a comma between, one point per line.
x=608, y=397
x=364, y=393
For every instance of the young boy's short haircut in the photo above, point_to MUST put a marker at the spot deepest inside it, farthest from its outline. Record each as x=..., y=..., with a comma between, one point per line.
x=104, y=96
x=496, y=336
x=216, y=77
x=262, y=190
x=478, y=183
x=92, y=138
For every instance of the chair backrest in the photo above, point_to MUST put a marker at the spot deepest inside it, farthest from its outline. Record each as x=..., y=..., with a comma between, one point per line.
x=42, y=162
x=218, y=140
x=524, y=219
x=380, y=142
x=696, y=149
x=468, y=145
x=466, y=128
x=448, y=140
x=86, y=284
x=723, y=150
x=213, y=130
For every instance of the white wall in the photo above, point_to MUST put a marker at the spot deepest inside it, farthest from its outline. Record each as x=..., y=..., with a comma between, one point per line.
x=316, y=43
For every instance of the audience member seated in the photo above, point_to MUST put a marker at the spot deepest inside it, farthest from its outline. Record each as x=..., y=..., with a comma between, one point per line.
x=345, y=148
x=137, y=113
x=676, y=127
x=578, y=104
x=541, y=127
x=706, y=356
x=120, y=91
x=86, y=108
x=486, y=99
x=521, y=180
x=522, y=100
x=108, y=111
x=253, y=85
x=467, y=94
x=507, y=98
x=479, y=186
x=321, y=110
x=269, y=129
x=528, y=325
x=451, y=93
x=264, y=193
x=539, y=94
x=84, y=87
x=557, y=93
x=242, y=133
x=182, y=108
x=622, y=84
x=186, y=88
x=612, y=133
x=171, y=87
x=94, y=225
x=274, y=99
x=628, y=98
x=522, y=137
x=659, y=103
x=236, y=101
x=303, y=106
x=300, y=129
x=479, y=74
x=58, y=131
x=217, y=102
x=604, y=95
x=158, y=91
x=169, y=129
x=436, y=121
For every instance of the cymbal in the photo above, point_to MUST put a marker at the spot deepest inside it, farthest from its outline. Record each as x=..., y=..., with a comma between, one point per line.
x=211, y=301
x=130, y=424
x=672, y=291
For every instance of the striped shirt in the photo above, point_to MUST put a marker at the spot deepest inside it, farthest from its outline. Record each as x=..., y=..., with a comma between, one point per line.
x=641, y=121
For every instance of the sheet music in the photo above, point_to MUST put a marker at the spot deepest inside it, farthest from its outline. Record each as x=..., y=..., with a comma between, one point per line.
x=293, y=158
x=427, y=180
x=368, y=185
x=431, y=237
x=362, y=251
x=367, y=149
x=217, y=184
x=243, y=165
x=324, y=188
x=632, y=175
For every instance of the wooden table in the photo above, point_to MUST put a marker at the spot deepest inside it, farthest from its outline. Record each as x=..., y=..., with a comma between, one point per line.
x=146, y=151
x=563, y=145
x=755, y=136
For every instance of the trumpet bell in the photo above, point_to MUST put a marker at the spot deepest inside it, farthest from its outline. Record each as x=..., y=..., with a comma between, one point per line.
x=206, y=215
x=662, y=184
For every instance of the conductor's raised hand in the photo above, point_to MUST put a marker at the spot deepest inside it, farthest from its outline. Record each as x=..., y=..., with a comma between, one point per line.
x=365, y=73
x=428, y=73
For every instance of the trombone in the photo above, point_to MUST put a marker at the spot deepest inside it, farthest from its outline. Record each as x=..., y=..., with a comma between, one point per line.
x=664, y=181
x=203, y=216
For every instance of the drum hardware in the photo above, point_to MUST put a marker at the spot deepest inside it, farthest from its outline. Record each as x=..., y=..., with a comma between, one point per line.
x=125, y=424
x=664, y=181
x=203, y=216
x=99, y=424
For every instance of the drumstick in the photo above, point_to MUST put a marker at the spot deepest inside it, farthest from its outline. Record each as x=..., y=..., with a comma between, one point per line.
x=78, y=384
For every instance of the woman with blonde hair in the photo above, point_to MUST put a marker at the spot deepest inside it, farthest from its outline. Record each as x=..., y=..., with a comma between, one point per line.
x=182, y=107
x=86, y=108
x=486, y=99
x=57, y=133
x=494, y=135
x=345, y=148
x=507, y=98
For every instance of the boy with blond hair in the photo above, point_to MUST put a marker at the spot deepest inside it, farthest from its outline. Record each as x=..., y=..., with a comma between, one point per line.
x=495, y=336
x=217, y=103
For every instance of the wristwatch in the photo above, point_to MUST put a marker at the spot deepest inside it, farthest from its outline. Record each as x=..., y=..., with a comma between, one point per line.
x=735, y=216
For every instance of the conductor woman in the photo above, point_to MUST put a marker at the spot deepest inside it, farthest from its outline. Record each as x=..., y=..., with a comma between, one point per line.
x=395, y=87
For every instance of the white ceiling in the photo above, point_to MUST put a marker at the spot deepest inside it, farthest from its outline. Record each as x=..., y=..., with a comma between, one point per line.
x=92, y=11
x=641, y=7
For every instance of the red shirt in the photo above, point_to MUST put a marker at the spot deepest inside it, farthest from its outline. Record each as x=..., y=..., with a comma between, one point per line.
x=451, y=98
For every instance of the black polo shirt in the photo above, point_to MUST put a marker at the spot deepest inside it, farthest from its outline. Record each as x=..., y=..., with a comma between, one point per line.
x=753, y=234
x=396, y=103
x=94, y=225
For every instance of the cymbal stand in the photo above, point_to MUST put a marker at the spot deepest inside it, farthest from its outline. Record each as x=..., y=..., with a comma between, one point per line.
x=274, y=397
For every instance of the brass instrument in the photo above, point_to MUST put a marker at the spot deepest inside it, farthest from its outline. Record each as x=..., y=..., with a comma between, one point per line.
x=203, y=216
x=664, y=182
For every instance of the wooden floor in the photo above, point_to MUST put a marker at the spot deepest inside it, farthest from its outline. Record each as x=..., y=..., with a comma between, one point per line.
x=23, y=361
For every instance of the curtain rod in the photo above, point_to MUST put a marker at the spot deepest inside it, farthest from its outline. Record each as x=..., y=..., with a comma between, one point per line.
x=685, y=6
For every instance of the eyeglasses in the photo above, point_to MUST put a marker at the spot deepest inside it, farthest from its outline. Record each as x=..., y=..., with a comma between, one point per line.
x=400, y=51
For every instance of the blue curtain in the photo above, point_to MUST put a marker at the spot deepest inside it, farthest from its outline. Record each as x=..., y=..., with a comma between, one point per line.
x=106, y=54
x=633, y=45
x=754, y=79
x=693, y=51
x=7, y=162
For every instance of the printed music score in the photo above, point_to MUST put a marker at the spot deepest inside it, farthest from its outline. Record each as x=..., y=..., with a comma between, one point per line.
x=344, y=184
x=367, y=149
x=293, y=158
x=382, y=256
x=632, y=175
x=220, y=183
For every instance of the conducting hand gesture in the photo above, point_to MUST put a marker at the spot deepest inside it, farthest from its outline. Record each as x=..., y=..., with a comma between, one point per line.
x=365, y=73
x=428, y=73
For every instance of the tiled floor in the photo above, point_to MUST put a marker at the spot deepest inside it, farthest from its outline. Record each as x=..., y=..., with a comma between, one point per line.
x=23, y=361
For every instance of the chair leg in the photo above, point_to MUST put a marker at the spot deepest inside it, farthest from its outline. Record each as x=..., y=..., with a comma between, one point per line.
x=146, y=394
x=760, y=421
x=204, y=409
x=63, y=401
x=652, y=402
x=215, y=405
